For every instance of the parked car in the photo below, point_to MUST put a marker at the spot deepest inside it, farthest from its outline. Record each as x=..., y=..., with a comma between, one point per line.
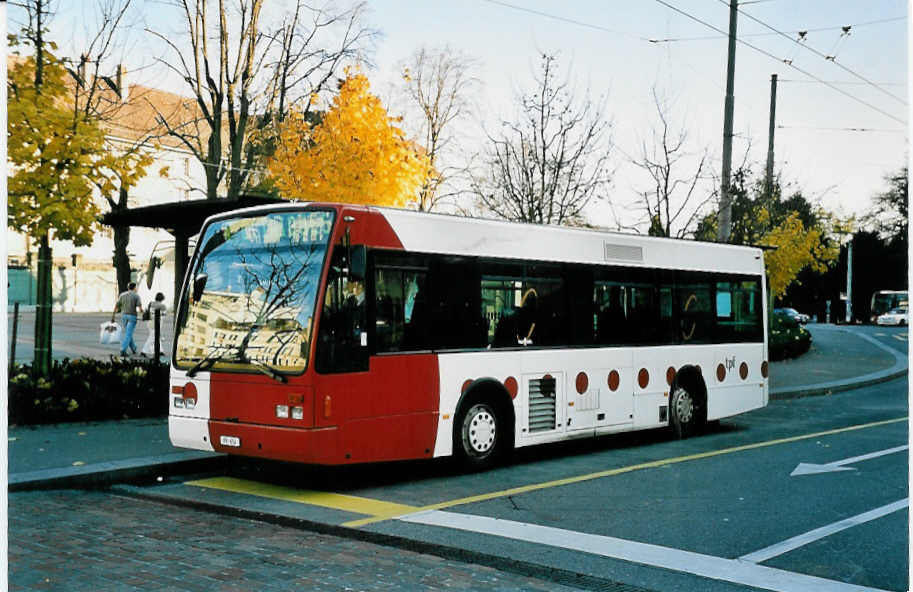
x=895, y=316
x=793, y=314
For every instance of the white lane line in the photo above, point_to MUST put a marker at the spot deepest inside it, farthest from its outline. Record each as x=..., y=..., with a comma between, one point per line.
x=708, y=566
x=840, y=465
x=869, y=456
x=819, y=533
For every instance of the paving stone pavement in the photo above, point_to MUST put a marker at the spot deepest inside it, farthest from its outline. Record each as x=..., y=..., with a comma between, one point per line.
x=92, y=540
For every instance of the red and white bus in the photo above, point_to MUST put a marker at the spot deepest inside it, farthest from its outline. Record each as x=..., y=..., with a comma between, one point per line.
x=334, y=334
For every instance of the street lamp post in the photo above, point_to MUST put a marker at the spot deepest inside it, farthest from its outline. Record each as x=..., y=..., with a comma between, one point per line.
x=849, y=281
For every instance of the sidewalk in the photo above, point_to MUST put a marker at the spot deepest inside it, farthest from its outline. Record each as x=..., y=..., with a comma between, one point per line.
x=95, y=454
x=841, y=358
x=99, y=453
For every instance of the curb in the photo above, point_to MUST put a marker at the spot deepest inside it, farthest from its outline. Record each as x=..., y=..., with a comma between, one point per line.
x=828, y=388
x=898, y=370
x=102, y=474
x=524, y=568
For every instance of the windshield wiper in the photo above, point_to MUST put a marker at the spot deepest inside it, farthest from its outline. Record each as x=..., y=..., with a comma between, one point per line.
x=268, y=370
x=211, y=358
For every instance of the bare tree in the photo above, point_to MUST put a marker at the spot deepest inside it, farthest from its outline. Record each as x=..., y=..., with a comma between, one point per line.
x=548, y=166
x=243, y=78
x=100, y=92
x=672, y=206
x=438, y=82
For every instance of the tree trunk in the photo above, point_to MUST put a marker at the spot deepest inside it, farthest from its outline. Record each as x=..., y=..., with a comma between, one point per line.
x=42, y=359
x=121, y=259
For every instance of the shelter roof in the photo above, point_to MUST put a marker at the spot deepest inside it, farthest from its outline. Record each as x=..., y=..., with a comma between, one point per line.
x=182, y=218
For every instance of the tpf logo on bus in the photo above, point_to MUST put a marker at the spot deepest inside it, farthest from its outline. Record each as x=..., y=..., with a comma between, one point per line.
x=730, y=363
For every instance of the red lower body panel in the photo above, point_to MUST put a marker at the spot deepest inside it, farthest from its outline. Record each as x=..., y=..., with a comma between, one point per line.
x=398, y=437
x=304, y=445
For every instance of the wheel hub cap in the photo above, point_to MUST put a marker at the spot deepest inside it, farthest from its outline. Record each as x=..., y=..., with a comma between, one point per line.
x=482, y=431
x=684, y=407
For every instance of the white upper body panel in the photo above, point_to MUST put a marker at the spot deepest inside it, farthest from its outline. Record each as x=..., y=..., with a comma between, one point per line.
x=454, y=235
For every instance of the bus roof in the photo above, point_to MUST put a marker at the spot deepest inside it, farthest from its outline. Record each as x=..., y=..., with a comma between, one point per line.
x=459, y=235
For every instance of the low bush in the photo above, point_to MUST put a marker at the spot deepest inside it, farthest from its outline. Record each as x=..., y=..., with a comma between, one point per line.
x=85, y=389
x=787, y=338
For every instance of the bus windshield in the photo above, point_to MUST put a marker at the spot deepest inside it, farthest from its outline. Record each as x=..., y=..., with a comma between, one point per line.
x=249, y=302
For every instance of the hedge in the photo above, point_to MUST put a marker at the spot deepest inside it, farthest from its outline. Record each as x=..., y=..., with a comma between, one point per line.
x=85, y=389
x=787, y=338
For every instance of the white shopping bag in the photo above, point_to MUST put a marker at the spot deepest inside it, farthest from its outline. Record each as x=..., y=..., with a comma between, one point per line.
x=109, y=333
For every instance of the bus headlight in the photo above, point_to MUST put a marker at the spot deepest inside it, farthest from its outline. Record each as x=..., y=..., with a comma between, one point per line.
x=282, y=411
x=297, y=412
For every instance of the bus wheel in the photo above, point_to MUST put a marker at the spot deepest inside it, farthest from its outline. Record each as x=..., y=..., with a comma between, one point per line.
x=481, y=436
x=683, y=412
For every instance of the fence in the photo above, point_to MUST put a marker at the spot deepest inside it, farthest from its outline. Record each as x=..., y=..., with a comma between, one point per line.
x=73, y=289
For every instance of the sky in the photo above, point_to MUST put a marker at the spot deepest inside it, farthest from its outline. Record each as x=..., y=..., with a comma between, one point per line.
x=615, y=50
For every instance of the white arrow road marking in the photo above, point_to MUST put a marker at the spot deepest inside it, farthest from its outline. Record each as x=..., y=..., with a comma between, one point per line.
x=707, y=566
x=819, y=533
x=838, y=465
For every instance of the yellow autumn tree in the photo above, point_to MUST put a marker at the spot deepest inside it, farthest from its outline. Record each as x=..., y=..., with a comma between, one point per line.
x=355, y=154
x=796, y=248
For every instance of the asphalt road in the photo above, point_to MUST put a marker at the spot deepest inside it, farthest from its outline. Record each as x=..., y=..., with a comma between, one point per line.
x=727, y=510
x=721, y=511
x=75, y=335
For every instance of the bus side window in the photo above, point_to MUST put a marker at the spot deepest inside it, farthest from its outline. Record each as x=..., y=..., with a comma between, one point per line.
x=400, y=310
x=454, y=304
x=738, y=311
x=342, y=339
x=694, y=312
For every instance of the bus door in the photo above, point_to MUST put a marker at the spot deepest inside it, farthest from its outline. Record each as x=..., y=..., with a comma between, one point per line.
x=342, y=340
x=384, y=405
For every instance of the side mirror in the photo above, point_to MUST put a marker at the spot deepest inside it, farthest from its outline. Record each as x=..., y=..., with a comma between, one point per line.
x=199, y=284
x=358, y=261
x=154, y=263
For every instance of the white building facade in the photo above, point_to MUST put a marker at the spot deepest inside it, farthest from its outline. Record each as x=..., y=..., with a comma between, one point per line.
x=84, y=278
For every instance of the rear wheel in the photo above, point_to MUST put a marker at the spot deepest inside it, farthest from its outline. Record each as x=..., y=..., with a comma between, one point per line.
x=684, y=412
x=481, y=436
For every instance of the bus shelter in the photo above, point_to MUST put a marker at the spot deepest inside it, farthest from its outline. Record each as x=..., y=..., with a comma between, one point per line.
x=181, y=219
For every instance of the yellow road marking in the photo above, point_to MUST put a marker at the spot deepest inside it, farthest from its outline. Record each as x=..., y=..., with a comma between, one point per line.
x=349, y=503
x=610, y=472
x=379, y=511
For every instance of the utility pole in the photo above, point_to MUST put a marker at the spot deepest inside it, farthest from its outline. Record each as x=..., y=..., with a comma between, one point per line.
x=769, y=178
x=849, y=281
x=724, y=219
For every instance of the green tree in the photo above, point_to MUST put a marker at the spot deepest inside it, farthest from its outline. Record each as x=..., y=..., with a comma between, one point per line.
x=890, y=216
x=803, y=236
x=56, y=155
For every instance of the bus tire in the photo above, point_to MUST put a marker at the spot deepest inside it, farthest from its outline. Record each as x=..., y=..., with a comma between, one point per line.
x=687, y=403
x=481, y=435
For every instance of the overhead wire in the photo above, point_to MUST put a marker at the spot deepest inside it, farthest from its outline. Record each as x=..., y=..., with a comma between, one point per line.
x=797, y=32
x=843, y=129
x=793, y=66
x=840, y=82
x=592, y=26
x=565, y=19
x=831, y=57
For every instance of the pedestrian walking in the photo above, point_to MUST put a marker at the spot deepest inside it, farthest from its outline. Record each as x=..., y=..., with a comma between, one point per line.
x=129, y=304
x=156, y=305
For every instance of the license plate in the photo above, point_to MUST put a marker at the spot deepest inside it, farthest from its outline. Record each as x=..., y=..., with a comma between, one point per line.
x=230, y=441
